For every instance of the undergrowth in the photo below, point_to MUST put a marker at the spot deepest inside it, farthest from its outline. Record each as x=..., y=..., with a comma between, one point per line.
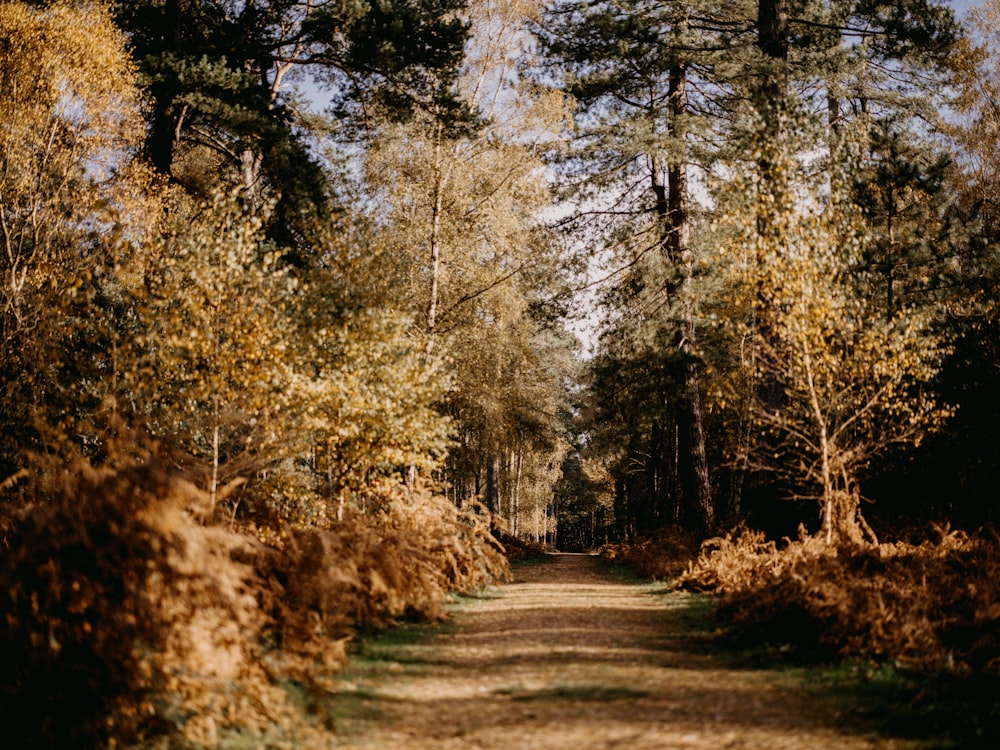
x=518, y=550
x=661, y=556
x=930, y=610
x=128, y=623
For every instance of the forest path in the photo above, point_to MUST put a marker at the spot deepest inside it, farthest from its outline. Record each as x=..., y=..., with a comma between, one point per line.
x=570, y=656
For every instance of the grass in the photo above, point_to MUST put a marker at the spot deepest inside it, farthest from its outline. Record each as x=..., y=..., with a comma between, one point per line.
x=939, y=711
x=390, y=650
x=532, y=559
x=942, y=711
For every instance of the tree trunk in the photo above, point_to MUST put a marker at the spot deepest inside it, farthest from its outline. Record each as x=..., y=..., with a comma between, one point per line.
x=693, y=464
x=772, y=40
x=516, y=510
x=771, y=103
x=493, y=483
x=250, y=167
x=213, y=481
x=166, y=121
x=435, y=243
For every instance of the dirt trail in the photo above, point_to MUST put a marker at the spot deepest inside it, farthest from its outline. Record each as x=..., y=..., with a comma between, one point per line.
x=567, y=656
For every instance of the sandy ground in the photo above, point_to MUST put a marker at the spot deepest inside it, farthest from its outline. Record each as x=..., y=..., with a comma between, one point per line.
x=569, y=657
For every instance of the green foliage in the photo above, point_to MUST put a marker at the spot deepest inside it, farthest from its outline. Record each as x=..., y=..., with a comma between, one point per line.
x=404, y=57
x=225, y=79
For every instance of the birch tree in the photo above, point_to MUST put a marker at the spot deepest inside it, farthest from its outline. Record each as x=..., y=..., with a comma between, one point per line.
x=214, y=361
x=69, y=131
x=854, y=384
x=461, y=210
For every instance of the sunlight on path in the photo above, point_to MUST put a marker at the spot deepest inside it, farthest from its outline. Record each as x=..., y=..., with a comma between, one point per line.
x=566, y=657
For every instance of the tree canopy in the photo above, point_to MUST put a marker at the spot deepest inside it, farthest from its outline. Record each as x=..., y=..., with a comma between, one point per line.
x=315, y=248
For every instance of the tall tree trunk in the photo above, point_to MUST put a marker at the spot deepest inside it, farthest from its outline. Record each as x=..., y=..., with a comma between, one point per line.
x=250, y=167
x=435, y=241
x=516, y=503
x=772, y=40
x=166, y=122
x=693, y=469
x=493, y=482
x=771, y=103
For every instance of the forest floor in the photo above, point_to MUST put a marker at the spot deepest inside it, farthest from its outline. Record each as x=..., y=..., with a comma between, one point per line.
x=573, y=654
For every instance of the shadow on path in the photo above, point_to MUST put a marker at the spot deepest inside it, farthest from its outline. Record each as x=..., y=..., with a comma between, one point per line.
x=569, y=656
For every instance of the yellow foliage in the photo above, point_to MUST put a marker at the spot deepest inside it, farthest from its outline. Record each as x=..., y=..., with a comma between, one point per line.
x=852, y=383
x=70, y=127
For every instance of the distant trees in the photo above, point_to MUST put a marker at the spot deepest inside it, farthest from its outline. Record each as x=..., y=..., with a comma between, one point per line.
x=629, y=69
x=460, y=210
x=786, y=93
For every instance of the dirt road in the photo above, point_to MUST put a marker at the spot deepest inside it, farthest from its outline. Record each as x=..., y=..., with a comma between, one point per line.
x=570, y=657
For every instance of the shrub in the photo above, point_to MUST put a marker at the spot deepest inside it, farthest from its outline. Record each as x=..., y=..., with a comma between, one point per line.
x=114, y=598
x=931, y=606
x=125, y=619
x=662, y=555
x=369, y=570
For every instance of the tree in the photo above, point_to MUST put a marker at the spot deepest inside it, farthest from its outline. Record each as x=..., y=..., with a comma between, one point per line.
x=224, y=102
x=69, y=132
x=854, y=384
x=976, y=133
x=214, y=360
x=955, y=475
x=461, y=211
x=904, y=190
x=627, y=65
x=372, y=397
x=310, y=392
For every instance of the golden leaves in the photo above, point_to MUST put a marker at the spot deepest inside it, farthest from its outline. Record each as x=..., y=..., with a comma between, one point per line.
x=853, y=382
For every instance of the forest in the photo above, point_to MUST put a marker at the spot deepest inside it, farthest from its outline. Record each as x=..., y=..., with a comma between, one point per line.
x=313, y=313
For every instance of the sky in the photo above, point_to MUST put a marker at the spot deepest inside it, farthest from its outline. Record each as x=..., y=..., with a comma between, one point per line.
x=961, y=6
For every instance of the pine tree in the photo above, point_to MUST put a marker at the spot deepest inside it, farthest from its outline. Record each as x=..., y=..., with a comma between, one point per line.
x=227, y=103
x=630, y=69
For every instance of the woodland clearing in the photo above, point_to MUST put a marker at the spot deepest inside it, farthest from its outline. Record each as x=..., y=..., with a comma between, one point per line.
x=571, y=654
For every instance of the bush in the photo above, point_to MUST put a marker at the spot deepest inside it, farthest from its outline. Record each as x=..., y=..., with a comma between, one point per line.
x=662, y=555
x=370, y=570
x=931, y=606
x=125, y=619
x=114, y=599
